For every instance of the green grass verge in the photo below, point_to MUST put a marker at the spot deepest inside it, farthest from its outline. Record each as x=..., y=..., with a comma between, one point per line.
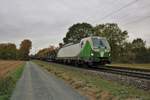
x=8, y=83
x=93, y=85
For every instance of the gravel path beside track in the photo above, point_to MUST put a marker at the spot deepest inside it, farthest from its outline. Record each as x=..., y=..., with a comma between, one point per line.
x=38, y=84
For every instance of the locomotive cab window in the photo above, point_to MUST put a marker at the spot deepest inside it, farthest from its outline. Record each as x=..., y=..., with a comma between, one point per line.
x=105, y=42
x=98, y=43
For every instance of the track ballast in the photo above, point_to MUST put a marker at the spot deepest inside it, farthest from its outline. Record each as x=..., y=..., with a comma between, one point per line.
x=139, y=73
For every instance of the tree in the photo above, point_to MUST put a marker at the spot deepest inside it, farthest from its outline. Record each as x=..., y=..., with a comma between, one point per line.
x=25, y=48
x=61, y=45
x=8, y=51
x=115, y=36
x=127, y=54
x=140, y=51
x=138, y=43
x=148, y=55
x=78, y=31
x=47, y=53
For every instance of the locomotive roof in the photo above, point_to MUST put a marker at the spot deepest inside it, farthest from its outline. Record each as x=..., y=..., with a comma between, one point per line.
x=81, y=40
x=66, y=45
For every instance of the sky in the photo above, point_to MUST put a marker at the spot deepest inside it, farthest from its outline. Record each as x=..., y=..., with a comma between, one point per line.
x=46, y=22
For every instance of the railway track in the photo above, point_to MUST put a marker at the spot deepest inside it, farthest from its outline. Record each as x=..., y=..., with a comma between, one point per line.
x=136, y=77
x=132, y=72
x=139, y=73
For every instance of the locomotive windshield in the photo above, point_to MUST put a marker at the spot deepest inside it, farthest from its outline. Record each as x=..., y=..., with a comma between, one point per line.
x=98, y=43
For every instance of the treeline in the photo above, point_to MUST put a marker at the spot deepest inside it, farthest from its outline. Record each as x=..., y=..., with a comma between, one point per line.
x=49, y=52
x=9, y=51
x=122, y=50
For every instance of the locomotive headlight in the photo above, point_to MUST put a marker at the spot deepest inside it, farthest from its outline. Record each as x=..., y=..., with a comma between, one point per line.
x=106, y=50
x=92, y=54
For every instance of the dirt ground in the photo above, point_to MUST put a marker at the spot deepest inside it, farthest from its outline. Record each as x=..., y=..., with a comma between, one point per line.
x=8, y=66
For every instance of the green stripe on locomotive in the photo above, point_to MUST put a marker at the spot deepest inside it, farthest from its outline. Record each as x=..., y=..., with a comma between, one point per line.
x=87, y=53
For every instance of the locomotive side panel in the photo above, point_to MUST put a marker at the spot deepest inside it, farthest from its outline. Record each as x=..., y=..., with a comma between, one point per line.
x=71, y=51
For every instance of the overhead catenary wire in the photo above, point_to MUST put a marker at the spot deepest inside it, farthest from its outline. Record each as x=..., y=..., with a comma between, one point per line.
x=123, y=7
x=138, y=20
x=116, y=11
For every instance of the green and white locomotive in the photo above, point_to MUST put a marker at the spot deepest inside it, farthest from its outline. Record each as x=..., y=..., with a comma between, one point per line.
x=90, y=50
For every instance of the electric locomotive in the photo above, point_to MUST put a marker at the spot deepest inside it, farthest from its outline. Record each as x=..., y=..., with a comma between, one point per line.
x=90, y=50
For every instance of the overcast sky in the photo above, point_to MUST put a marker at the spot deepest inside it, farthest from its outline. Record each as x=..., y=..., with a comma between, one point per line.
x=46, y=22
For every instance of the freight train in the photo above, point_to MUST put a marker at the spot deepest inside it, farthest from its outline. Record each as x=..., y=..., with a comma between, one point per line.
x=91, y=50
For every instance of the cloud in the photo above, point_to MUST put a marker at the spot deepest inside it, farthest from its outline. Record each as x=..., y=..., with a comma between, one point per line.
x=46, y=22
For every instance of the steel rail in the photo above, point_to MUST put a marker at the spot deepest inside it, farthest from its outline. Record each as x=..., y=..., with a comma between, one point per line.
x=126, y=71
x=131, y=72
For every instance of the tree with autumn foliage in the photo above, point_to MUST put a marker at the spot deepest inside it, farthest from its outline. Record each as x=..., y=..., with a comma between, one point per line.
x=8, y=51
x=25, y=48
x=47, y=53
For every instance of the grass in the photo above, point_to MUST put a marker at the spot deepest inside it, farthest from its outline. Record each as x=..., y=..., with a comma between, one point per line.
x=93, y=86
x=139, y=66
x=8, y=81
